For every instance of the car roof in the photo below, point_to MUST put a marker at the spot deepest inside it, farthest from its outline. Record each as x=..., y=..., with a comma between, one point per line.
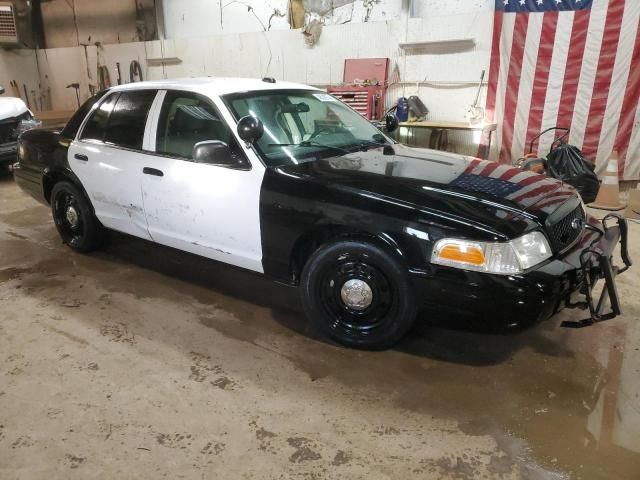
x=213, y=85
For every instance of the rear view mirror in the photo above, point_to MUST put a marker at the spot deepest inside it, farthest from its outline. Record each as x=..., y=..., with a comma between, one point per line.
x=295, y=108
x=250, y=129
x=1, y=89
x=213, y=152
x=391, y=123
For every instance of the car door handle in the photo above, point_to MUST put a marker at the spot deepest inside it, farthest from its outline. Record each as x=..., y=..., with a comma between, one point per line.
x=79, y=156
x=152, y=171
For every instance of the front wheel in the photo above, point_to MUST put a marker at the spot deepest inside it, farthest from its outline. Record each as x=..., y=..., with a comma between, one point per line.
x=74, y=218
x=358, y=294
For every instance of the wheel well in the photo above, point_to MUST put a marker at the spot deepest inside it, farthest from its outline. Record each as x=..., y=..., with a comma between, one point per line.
x=48, y=182
x=50, y=179
x=311, y=241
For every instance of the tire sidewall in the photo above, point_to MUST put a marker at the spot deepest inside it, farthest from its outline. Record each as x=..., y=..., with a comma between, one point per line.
x=397, y=322
x=88, y=239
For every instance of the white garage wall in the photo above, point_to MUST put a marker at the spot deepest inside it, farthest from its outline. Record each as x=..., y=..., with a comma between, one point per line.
x=445, y=81
x=19, y=65
x=185, y=19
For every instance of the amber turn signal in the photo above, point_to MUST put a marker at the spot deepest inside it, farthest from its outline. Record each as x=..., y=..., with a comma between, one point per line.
x=462, y=254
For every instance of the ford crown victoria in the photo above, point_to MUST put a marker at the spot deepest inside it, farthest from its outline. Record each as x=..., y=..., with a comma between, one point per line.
x=285, y=180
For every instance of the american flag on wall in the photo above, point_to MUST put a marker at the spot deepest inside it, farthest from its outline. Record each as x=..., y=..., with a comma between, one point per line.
x=570, y=63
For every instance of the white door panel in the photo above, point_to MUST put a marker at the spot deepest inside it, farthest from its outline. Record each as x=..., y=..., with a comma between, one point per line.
x=205, y=209
x=111, y=176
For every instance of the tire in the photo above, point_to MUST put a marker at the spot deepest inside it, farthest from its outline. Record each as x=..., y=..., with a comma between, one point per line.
x=79, y=229
x=373, y=321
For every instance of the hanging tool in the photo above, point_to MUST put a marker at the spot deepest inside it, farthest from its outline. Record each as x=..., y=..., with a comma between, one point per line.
x=476, y=112
x=26, y=96
x=15, y=88
x=119, y=75
x=135, y=70
x=104, y=79
x=76, y=86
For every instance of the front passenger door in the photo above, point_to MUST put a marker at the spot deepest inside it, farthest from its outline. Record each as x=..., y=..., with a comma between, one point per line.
x=210, y=210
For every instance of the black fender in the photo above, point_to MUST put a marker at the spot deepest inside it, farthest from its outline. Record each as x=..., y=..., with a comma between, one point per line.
x=51, y=176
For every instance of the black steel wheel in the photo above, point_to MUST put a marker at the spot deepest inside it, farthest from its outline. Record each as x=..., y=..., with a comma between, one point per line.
x=358, y=294
x=74, y=218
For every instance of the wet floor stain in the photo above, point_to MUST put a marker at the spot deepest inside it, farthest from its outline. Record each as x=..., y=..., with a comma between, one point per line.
x=303, y=450
x=553, y=401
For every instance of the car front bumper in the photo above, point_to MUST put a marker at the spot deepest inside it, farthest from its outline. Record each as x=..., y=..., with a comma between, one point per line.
x=8, y=155
x=516, y=301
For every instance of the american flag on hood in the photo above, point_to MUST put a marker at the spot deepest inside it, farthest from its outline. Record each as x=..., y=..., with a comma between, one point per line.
x=570, y=63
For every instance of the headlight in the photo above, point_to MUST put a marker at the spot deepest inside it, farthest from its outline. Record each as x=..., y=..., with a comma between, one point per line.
x=504, y=258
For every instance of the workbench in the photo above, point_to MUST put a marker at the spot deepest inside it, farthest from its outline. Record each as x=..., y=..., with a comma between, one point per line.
x=54, y=118
x=438, y=137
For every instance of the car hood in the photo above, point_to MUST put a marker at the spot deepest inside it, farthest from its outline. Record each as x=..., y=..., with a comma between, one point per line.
x=440, y=180
x=11, y=107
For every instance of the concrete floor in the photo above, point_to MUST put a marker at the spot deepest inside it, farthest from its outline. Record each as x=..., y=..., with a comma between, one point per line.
x=143, y=362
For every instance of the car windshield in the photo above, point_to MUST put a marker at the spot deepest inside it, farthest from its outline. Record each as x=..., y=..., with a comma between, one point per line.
x=304, y=125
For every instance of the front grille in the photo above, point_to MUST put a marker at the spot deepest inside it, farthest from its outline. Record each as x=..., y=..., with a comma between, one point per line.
x=566, y=231
x=8, y=131
x=7, y=22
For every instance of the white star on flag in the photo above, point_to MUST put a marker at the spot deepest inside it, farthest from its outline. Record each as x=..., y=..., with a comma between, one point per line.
x=506, y=2
x=522, y=2
x=540, y=2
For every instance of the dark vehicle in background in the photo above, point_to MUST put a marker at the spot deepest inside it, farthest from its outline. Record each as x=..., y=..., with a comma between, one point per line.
x=286, y=180
x=15, y=118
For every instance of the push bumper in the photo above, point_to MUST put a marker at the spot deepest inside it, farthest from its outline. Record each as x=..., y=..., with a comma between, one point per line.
x=596, y=263
x=517, y=301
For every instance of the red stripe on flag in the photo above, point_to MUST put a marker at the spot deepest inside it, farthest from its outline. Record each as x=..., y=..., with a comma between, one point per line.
x=573, y=67
x=629, y=106
x=509, y=174
x=472, y=164
x=494, y=73
x=554, y=199
x=513, y=80
x=602, y=82
x=534, y=178
x=489, y=168
x=494, y=67
x=536, y=191
x=541, y=79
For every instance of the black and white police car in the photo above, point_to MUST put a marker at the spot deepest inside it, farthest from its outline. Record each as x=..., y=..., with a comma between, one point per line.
x=286, y=180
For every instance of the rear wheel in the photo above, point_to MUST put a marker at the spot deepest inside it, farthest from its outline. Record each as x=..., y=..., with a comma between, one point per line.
x=358, y=294
x=74, y=218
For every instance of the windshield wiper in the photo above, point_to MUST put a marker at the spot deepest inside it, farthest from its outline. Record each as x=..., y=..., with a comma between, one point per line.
x=310, y=143
x=371, y=143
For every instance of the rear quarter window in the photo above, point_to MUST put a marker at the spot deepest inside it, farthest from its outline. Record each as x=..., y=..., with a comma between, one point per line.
x=96, y=126
x=73, y=125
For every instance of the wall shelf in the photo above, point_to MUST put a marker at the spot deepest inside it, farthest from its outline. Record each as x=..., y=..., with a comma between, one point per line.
x=455, y=44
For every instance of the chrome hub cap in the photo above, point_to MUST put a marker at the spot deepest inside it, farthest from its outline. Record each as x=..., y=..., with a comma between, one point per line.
x=356, y=294
x=72, y=216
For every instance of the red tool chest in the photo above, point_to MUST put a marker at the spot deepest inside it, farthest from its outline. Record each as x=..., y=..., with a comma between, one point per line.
x=365, y=85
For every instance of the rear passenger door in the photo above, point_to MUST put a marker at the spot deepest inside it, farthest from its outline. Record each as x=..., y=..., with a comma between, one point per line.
x=106, y=157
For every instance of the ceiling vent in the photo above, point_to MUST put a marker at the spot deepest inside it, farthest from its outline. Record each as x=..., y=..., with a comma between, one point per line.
x=8, y=28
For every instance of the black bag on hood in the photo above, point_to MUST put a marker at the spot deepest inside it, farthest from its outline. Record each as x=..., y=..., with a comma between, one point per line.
x=566, y=163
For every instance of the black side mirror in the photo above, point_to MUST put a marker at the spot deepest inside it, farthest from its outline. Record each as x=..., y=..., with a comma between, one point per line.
x=390, y=122
x=250, y=129
x=214, y=152
x=1, y=89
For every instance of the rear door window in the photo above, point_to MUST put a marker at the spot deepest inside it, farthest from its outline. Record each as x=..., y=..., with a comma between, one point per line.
x=95, y=127
x=126, y=124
